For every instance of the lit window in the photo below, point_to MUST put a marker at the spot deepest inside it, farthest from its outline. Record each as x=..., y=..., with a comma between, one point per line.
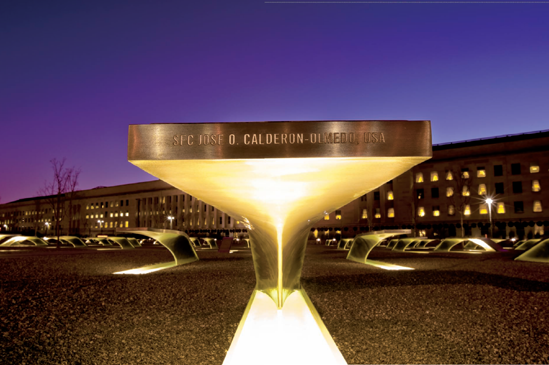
x=482, y=189
x=87, y=216
x=421, y=211
x=338, y=214
x=326, y=217
x=378, y=214
x=465, y=191
x=449, y=191
x=127, y=214
x=467, y=210
x=436, y=211
x=87, y=207
x=537, y=206
x=481, y=172
x=111, y=224
x=434, y=176
x=534, y=168
x=364, y=214
x=501, y=208
x=391, y=212
x=97, y=216
x=419, y=177
x=100, y=215
x=110, y=215
x=465, y=173
x=390, y=195
x=451, y=210
x=449, y=175
x=127, y=224
x=483, y=209
x=535, y=186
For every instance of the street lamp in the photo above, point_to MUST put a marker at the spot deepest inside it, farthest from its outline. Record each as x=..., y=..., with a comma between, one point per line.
x=100, y=226
x=489, y=201
x=6, y=226
x=170, y=218
x=47, y=227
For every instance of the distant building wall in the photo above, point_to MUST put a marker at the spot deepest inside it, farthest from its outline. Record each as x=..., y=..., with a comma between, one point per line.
x=513, y=170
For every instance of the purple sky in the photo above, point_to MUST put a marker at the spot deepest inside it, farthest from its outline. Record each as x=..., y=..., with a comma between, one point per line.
x=75, y=74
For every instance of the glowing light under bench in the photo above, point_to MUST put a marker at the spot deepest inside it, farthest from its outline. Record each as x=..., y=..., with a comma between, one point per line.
x=294, y=334
x=148, y=269
x=387, y=266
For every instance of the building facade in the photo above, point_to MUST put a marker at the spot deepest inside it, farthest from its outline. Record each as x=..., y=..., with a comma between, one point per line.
x=497, y=186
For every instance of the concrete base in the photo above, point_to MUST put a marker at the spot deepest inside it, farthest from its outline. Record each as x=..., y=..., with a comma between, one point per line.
x=294, y=334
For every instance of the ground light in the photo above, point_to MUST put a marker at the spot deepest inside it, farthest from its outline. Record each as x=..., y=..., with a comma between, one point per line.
x=386, y=266
x=294, y=334
x=149, y=268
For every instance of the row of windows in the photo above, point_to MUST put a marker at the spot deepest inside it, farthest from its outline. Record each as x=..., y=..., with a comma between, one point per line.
x=102, y=205
x=165, y=199
x=337, y=216
x=483, y=209
x=499, y=189
x=111, y=215
x=377, y=213
x=481, y=172
x=125, y=224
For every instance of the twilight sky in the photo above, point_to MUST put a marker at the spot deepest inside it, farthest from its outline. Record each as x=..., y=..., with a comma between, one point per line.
x=75, y=74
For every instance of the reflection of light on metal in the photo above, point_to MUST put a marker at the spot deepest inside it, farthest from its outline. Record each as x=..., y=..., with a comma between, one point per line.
x=148, y=269
x=386, y=266
x=231, y=251
x=513, y=239
x=294, y=334
x=108, y=249
x=278, y=195
x=482, y=244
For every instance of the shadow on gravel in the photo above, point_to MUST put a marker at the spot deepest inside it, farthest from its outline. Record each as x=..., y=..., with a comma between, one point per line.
x=333, y=283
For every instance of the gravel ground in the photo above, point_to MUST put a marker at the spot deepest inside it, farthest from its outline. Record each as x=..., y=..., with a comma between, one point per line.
x=64, y=306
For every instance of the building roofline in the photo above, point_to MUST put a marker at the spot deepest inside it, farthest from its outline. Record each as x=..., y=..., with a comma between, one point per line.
x=490, y=140
x=40, y=197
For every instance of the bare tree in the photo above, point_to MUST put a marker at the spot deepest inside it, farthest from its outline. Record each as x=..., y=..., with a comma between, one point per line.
x=59, y=190
x=461, y=195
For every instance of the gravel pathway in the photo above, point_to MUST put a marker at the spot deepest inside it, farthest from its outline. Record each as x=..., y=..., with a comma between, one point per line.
x=66, y=307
